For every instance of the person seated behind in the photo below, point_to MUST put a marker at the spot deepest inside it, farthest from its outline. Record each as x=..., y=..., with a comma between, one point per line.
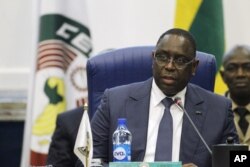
x=141, y=103
x=61, y=150
x=236, y=75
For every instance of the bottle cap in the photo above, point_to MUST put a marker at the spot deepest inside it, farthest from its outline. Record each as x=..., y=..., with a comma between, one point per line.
x=122, y=120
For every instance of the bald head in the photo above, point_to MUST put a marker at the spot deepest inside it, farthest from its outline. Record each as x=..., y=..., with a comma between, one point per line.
x=239, y=50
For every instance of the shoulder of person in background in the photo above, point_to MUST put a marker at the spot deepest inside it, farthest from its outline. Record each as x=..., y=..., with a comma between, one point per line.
x=61, y=151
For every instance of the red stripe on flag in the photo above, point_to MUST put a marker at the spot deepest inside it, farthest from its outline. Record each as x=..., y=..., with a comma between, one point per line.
x=57, y=45
x=46, y=53
x=37, y=159
x=51, y=54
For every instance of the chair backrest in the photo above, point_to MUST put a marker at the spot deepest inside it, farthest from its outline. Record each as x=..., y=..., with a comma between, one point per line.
x=133, y=64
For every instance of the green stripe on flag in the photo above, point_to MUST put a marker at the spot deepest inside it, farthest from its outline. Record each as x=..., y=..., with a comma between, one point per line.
x=208, y=30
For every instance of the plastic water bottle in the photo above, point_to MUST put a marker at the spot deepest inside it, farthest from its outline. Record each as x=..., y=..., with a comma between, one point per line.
x=122, y=139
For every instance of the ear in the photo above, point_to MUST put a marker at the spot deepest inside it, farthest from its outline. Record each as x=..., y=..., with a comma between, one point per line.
x=194, y=67
x=152, y=54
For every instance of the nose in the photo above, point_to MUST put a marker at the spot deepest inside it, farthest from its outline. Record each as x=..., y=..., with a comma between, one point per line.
x=240, y=71
x=169, y=63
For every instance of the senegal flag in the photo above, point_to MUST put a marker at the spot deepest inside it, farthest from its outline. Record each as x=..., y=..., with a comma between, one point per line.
x=204, y=19
x=59, y=82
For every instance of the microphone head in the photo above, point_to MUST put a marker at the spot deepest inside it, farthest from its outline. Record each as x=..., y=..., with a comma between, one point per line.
x=178, y=102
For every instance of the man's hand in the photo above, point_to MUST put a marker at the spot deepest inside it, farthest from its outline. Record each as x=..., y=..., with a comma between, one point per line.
x=189, y=165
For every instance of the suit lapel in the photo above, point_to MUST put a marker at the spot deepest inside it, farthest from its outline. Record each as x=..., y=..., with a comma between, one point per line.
x=247, y=136
x=137, y=111
x=194, y=106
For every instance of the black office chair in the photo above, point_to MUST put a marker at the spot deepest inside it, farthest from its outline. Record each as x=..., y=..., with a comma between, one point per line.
x=133, y=64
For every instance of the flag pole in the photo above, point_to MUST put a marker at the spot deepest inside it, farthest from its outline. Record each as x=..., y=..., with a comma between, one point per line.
x=84, y=142
x=25, y=158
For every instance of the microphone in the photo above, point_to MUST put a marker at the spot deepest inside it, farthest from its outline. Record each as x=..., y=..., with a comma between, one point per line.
x=178, y=103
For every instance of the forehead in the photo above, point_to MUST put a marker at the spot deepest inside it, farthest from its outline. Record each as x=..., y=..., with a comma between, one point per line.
x=238, y=57
x=174, y=43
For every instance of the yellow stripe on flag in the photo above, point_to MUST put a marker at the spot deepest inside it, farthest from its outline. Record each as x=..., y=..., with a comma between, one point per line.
x=220, y=86
x=185, y=13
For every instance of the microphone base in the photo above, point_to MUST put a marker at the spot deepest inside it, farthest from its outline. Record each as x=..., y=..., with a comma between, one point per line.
x=221, y=153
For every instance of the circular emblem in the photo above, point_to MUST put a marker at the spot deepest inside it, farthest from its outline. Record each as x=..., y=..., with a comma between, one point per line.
x=79, y=78
x=119, y=153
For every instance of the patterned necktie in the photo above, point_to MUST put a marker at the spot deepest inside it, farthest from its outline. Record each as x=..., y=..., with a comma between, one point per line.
x=243, y=123
x=163, y=150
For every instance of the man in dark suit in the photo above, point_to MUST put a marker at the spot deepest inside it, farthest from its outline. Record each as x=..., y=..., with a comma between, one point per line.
x=61, y=151
x=174, y=63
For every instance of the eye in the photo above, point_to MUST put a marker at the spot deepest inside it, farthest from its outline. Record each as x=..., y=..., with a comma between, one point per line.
x=181, y=60
x=161, y=56
x=231, y=67
x=246, y=66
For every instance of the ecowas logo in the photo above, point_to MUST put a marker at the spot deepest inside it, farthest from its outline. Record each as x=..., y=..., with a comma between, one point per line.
x=119, y=153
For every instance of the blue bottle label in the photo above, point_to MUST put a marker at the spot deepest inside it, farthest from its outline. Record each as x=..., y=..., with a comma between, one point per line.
x=121, y=153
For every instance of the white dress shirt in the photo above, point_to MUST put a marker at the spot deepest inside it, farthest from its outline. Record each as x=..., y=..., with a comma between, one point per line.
x=156, y=111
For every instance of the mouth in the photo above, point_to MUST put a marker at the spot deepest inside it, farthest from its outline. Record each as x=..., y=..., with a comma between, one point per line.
x=241, y=83
x=168, y=80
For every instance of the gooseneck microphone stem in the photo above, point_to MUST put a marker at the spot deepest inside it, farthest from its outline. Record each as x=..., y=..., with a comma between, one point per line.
x=178, y=103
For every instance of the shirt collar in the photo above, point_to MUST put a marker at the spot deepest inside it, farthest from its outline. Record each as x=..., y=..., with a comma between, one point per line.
x=234, y=105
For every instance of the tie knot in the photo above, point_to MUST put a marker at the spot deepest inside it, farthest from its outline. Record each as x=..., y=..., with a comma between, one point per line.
x=241, y=111
x=167, y=102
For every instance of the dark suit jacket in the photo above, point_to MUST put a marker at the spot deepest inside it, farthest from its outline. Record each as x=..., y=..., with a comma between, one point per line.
x=214, y=121
x=61, y=151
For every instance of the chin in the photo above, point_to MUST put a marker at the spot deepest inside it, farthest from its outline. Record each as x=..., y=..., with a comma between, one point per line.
x=241, y=93
x=170, y=93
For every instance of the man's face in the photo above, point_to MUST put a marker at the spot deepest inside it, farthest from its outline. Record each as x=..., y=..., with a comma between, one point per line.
x=236, y=73
x=172, y=76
